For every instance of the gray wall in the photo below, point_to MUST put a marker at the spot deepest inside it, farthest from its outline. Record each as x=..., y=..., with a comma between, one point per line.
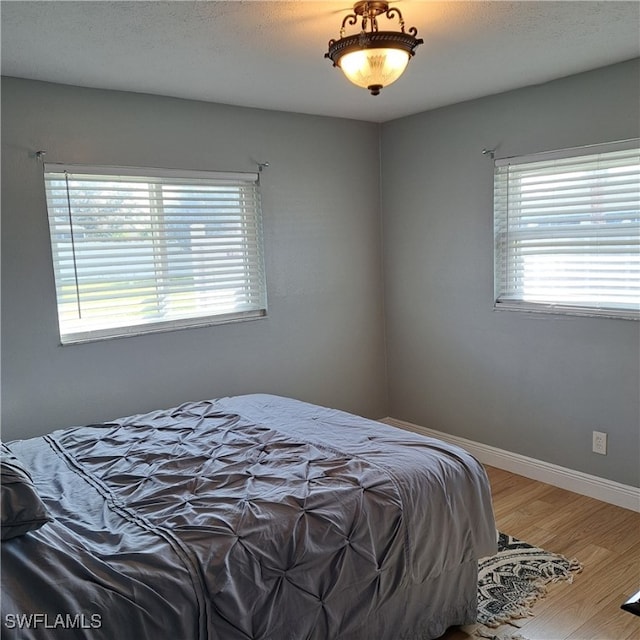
x=537, y=385
x=531, y=384
x=323, y=339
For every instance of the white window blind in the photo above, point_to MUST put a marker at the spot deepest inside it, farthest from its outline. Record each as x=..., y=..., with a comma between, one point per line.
x=567, y=231
x=142, y=250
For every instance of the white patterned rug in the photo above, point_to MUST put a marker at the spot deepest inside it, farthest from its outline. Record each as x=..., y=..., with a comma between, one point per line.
x=510, y=582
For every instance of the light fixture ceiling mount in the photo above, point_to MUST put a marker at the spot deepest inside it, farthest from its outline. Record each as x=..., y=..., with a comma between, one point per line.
x=371, y=58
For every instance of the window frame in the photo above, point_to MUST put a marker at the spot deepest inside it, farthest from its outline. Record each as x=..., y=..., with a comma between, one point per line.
x=508, y=299
x=159, y=234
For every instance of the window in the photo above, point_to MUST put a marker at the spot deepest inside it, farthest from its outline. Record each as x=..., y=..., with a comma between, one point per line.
x=143, y=250
x=567, y=231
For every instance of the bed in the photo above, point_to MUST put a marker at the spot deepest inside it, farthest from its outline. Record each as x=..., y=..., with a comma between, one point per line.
x=250, y=517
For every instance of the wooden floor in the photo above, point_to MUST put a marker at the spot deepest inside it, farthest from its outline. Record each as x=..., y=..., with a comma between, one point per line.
x=604, y=538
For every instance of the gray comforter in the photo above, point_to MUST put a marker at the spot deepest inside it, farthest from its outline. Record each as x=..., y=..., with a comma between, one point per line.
x=255, y=517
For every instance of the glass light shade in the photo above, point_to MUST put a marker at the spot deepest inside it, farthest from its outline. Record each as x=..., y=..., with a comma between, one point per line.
x=374, y=67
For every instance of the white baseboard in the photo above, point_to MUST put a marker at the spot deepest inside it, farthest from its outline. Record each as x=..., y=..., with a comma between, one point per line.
x=585, y=484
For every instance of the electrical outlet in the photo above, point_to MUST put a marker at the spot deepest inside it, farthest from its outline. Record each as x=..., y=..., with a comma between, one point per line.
x=600, y=442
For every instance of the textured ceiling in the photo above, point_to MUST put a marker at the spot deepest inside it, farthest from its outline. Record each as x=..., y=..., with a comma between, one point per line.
x=270, y=54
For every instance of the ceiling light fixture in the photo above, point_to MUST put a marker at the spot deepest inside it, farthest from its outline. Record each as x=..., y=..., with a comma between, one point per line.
x=373, y=59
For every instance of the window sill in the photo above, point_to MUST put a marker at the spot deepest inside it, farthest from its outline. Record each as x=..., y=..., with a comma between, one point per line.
x=163, y=327
x=566, y=310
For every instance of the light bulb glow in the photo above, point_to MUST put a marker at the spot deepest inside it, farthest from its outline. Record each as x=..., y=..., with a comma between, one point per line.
x=368, y=67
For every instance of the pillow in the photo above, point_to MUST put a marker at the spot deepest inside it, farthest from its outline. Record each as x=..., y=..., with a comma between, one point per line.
x=22, y=508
